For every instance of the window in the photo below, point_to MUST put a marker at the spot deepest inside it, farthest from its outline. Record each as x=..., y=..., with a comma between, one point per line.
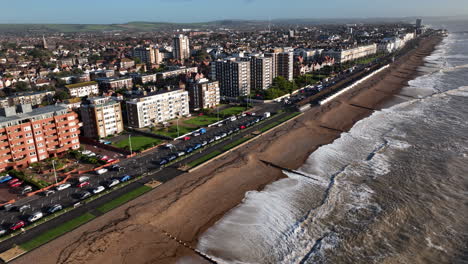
x=28, y=128
x=32, y=153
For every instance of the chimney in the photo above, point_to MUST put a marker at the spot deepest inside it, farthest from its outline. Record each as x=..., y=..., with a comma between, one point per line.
x=24, y=108
x=8, y=111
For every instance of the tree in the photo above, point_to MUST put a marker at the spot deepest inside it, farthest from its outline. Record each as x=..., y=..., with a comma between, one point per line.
x=22, y=86
x=61, y=95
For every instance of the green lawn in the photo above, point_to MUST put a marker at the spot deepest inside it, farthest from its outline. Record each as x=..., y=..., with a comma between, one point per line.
x=57, y=231
x=201, y=121
x=138, y=143
x=204, y=158
x=172, y=131
x=236, y=143
x=123, y=199
x=235, y=110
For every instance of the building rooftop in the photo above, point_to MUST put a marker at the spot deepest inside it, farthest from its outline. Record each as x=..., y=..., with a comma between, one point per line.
x=35, y=114
x=76, y=85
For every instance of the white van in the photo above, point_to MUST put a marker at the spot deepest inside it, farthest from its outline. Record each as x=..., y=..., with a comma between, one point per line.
x=35, y=216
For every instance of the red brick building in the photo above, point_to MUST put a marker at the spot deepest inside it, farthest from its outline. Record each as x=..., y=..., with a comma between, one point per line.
x=28, y=135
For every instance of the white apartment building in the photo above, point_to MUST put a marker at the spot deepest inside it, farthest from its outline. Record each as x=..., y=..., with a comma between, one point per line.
x=157, y=108
x=181, y=47
x=233, y=76
x=83, y=89
x=345, y=55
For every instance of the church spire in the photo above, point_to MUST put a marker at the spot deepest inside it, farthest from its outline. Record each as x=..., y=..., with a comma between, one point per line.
x=44, y=43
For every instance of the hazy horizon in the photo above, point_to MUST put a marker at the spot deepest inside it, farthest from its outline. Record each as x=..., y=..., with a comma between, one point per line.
x=194, y=11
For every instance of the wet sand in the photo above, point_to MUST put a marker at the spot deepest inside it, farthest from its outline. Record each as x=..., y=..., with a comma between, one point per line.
x=191, y=203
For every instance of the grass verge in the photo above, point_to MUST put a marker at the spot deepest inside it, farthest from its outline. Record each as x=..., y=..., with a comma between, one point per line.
x=123, y=199
x=204, y=158
x=57, y=231
x=236, y=143
x=138, y=143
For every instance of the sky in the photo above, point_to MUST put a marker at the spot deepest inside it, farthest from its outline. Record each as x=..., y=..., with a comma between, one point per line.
x=122, y=11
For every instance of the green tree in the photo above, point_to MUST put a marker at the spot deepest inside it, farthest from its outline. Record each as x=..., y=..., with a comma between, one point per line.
x=61, y=95
x=22, y=86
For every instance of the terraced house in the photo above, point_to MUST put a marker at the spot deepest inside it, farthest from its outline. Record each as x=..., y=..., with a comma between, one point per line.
x=28, y=135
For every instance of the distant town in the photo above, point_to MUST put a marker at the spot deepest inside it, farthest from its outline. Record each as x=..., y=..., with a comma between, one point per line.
x=78, y=104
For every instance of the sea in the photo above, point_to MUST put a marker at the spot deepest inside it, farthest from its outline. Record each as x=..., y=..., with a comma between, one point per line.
x=394, y=189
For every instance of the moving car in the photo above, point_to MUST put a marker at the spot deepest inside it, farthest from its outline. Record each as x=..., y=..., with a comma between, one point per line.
x=112, y=183
x=24, y=208
x=62, y=187
x=98, y=189
x=125, y=178
x=35, y=216
x=17, y=225
x=85, y=195
x=82, y=184
x=54, y=208
x=101, y=171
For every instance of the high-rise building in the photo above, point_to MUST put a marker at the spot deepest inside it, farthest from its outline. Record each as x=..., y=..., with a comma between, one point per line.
x=102, y=117
x=233, y=76
x=44, y=43
x=147, y=54
x=28, y=135
x=285, y=65
x=181, y=47
x=418, y=23
x=156, y=108
x=261, y=72
x=203, y=94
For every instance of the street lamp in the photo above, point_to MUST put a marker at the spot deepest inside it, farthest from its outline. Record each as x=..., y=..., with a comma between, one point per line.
x=55, y=172
x=130, y=144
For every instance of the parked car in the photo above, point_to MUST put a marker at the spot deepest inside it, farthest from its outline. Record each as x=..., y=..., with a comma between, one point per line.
x=35, y=216
x=197, y=146
x=163, y=162
x=180, y=154
x=49, y=192
x=223, y=135
x=104, y=158
x=211, y=140
x=83, y=179
x=202, y=131
x=196, y=134
x=83, y=184
x=98, y=189
x=233, y=118
x=2, y=231
x=26, y=189
x=17, y=225
x=86, y=152
x=24, y=208
x=112, y=183
x=17, y=184
x=204, y=143
x=62, y=187
x=85, y=195
x=171, y=158
x=186, y=138
x=13, y=181
x=125, y=178
x=101, y=171
x=54, y=208
x=5, y=178
x=111, y=160
x=116, y=167
x=242, y=127
x=9, y=207
x=189, y=150
x=220, y=124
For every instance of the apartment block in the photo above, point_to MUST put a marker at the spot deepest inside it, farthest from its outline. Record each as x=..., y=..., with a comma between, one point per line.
x=261, y=72
x=83, y=89
x=29, y=135
x=203, y=94
x=114, y=84
x=233, y=76
x=181, y=47
x=285, y=65
x=156, y=108
x=176, y=72
x=145, y=78
x=102, y=117
x=32, y=98
x=147, y=54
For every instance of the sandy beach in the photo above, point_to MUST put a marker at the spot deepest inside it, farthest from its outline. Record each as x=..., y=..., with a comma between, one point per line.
x=191, y=203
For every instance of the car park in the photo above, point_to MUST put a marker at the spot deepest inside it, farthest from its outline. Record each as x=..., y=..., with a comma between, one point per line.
x=35, y=216
x=17, y=225
x=125, y=178
x=83, y=179
x=5, y=178
x=24, y=208
x=112, y=183
x=83, y=184
x=84, y=195
x=98, y=189
x=54, y=208
x=63, y=186
x=101, y=171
